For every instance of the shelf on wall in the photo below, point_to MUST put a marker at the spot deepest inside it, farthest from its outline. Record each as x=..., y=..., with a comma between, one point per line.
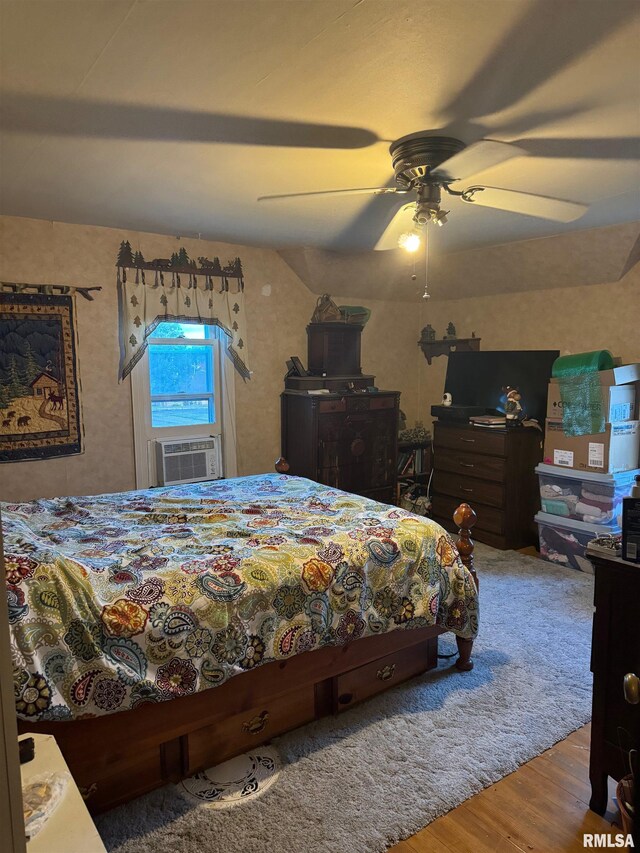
x=431, y=349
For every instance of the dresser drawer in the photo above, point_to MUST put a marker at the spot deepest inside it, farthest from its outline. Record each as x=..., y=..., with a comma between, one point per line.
x=332, y=405
x=379, y=402
x=476, y=440
x=469, y=489
x=474, y=465
x=236, y=734
x=489, y=518
x=365, y=681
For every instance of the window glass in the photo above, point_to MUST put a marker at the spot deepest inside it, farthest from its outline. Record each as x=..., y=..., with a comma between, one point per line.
x=180, y=330
x=179, y=413
x=180, y=369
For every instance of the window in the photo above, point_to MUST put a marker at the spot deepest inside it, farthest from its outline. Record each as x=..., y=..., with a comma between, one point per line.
x=182, y=388
x=182, y=376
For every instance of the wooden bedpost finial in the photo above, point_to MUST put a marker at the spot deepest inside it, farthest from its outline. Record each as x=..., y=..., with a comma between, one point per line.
x=282, y=466
x=464, y=518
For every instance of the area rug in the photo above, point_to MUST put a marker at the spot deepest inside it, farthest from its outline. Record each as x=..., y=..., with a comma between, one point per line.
x=382, y=771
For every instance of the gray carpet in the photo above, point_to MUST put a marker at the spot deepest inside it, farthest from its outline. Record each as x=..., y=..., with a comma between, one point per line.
x=382, y=771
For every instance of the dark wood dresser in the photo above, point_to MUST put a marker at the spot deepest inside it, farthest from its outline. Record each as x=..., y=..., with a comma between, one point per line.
x=615, y=652
x=346, y=440
x=495, y=470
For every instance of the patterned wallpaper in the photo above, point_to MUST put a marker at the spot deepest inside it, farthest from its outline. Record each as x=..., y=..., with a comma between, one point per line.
x=279, y=307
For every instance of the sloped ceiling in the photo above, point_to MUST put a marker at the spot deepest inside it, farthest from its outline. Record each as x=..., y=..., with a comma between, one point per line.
x=175, y=116
x=566, y=260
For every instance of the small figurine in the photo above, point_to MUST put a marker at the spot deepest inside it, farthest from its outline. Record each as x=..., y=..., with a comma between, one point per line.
x=512, y=407
x=451, y=332
x=447, y=399
x=428, y=333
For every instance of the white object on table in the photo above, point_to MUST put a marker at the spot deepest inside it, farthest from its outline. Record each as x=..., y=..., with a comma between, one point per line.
x=70, y=828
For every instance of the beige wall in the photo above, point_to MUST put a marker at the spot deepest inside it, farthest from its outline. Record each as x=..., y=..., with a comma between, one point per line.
x=278, y=306
x=572, y=319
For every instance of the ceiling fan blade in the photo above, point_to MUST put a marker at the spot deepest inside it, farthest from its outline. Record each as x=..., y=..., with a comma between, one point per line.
x=58, y=116
x=476, y=158
x=401, y=222
x=597, y=148
x=541, y=43
x=527, y=204
x=357, y=191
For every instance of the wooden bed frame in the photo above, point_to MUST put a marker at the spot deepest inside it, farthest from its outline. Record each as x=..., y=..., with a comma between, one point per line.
x=121, y=756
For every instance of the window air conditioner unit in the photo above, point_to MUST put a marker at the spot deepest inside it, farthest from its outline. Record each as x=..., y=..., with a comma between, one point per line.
x=188, y=460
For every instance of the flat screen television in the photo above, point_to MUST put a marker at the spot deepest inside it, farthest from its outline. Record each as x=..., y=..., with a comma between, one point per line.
x=478, y=379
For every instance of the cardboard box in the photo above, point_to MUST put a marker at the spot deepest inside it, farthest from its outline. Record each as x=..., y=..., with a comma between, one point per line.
x=616, y=449
x=618, y=401
x=620, y=375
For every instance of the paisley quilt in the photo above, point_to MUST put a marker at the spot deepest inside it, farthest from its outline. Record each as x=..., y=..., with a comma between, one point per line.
x=125, y=599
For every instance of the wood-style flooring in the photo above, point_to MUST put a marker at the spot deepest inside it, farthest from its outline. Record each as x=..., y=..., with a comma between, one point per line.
x=541, y=808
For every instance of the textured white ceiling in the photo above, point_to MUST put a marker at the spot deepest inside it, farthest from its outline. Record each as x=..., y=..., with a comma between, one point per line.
x=159, y=116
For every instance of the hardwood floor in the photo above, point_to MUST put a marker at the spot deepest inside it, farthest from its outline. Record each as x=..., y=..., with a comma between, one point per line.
x=541, y=808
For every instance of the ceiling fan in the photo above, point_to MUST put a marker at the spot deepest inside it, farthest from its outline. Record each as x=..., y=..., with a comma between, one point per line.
x=426, y=165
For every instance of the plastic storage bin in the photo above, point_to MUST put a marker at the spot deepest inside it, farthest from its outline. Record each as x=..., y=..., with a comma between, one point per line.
x=583, y=496
x=564, y=541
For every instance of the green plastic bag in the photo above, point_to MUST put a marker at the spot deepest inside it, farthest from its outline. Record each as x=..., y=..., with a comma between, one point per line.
x=580, y=391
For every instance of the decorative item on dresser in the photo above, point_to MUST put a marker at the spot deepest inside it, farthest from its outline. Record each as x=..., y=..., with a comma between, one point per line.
x=615, y=663
x=337, y=427
x=496, y=470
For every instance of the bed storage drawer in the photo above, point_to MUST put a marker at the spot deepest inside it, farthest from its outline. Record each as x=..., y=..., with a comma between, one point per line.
x=365, y=681
x=102, y=786
x=235, y=734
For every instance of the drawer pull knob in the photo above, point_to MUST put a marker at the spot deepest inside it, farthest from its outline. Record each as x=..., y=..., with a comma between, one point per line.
x=467, y=465
x=469, y=491
x=256, y=724
x=345, y=698
x=632, y=688
x=386, y=672
x=469, y=440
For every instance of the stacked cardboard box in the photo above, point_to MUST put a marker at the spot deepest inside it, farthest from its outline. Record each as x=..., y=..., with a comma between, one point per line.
x=618, y=448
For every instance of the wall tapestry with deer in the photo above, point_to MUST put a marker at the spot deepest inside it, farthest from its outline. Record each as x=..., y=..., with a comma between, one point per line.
x=39, y=401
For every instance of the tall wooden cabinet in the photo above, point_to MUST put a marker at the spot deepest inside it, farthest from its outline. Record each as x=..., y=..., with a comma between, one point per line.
x=344, y=440
x=494, y=470
x=347, y=438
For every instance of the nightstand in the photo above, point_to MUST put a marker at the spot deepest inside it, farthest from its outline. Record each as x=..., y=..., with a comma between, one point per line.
x=70, y=828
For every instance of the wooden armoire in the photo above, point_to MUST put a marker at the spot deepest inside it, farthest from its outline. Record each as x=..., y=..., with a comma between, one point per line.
x=346, y=438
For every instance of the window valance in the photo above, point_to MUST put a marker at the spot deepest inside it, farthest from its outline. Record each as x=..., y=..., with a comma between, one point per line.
x=177, y=290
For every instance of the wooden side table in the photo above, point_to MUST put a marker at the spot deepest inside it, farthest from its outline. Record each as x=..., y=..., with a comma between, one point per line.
x=70, y=828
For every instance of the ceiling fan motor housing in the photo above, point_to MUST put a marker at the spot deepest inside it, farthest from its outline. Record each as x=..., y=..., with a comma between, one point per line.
x=415, y=156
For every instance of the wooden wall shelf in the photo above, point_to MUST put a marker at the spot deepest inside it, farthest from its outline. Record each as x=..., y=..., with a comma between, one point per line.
x=431, y=349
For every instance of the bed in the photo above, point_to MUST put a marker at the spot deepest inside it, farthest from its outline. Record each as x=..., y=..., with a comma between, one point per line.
x=155, y=633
